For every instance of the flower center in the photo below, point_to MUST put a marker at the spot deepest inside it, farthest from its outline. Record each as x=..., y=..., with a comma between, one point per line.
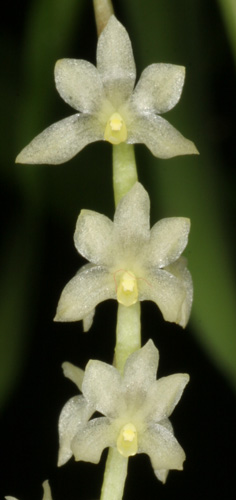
x=127, y=442
x=127, y=290
x=115, y=131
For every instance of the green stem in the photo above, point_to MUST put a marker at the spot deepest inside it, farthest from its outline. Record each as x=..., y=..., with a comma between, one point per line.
x=124, y=170
x=128, y=340
x=128, y=333
x=103, y=10
x=128, y=337
x=115, y=476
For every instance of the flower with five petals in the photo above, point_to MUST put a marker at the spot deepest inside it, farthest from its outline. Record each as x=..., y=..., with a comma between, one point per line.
x=108, y=107
x=136, y=409
x=129, y=262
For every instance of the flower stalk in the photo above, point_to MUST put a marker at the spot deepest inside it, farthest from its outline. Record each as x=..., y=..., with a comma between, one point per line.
x=124, y=170
x=128, y=333
x=128, y=327
x=114, y=476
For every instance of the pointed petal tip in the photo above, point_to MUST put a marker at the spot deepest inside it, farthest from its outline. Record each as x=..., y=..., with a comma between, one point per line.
x=194, y=150
x=21, y=158
x=186, y=376
x=60, y=460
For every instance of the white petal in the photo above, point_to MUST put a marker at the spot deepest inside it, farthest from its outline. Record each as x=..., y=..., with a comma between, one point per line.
x=79, y=84
x=92, y=285
x=46, y=491
x=62, y=141
x=163, y=396
x=88, y=320
x=167, y=291
x=131, y=220
x=162, y=448
x=74, y=416
x=163, y=140
x=141, y=368
x=94, y=238
x=180, y=271
x=74, y=373
x=102, y=387
x=159, y=88
x=115, y=62
x=89, y=444
x=161, y=474
x=168, y=240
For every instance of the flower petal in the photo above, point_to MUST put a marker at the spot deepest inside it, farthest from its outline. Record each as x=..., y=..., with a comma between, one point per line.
x=79, y=84
x=167, y=291
x=163, y=140
x=89, y=444
x=168, y=240
x=94, y=237
x=74, y=373
x=115, y=62
x=163, y=396
x=180, y=271
x=102, y=387
x=131, y=220
x=47, y=495
x=61, y=141
x=159, y=88
x=141, y=369
x=90, y=286
x=88, y=320
x=161, y=474
x=162, y=447
x=74, y=415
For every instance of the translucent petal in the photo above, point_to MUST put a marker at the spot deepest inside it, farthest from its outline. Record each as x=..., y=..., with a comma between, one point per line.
x=89, y=444
x=141, y=368
x=74, y=416
x=163, y=396
x=92, y=285
x=131, y=220
x=115, y=62
x=159, y=88
x=102, y=387
x=79, y=84
x=94, y=237
x=162, y=448
x=167, y=291
x=163, y=140
x=62, y=141
x=168, y=240
x=180, y=271
x=74, y=373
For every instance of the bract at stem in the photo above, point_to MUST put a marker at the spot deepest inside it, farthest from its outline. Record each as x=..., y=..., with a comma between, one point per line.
x=103, y=9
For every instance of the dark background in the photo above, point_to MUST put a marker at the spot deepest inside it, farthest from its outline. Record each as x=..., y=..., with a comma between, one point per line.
x=40, y=205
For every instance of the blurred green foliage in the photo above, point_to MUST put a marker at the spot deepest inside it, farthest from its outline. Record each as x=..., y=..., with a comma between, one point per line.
x=185, y=32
